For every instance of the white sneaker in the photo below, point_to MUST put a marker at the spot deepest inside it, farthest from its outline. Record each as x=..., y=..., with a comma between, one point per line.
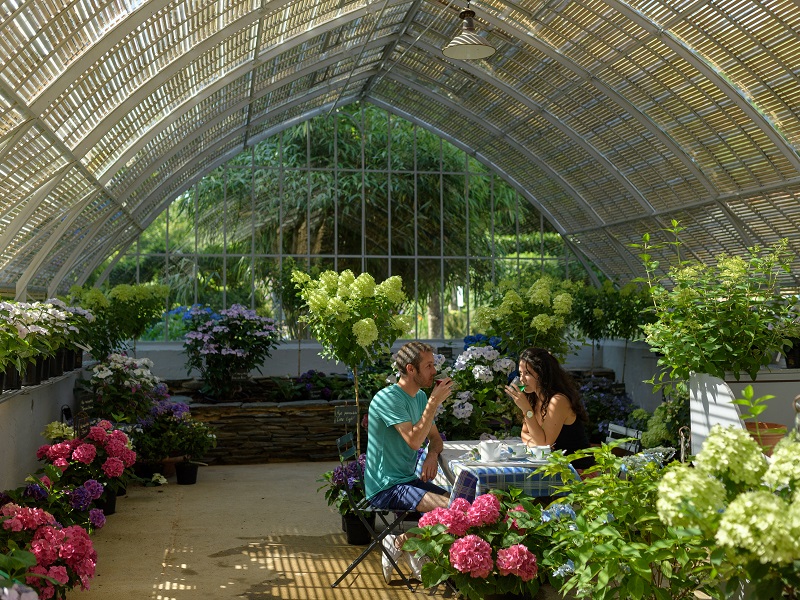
x=388, y=544
x=417, y=563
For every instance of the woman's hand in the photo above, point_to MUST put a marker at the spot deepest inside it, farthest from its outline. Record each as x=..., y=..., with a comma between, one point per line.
x=519, y=397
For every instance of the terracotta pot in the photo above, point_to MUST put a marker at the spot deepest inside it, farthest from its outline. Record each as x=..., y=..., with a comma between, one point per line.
x=766, y=434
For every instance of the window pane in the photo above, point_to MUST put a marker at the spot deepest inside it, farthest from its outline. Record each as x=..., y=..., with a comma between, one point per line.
x=402, y=186
x=209, y=282
x=267, y=211
x=377, y=221
x=430, y=295
x=455, y=215
x=429, y=215
x=455, y=299
x=238, y=224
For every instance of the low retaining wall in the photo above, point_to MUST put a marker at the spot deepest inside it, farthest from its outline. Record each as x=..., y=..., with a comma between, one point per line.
x=262, y=432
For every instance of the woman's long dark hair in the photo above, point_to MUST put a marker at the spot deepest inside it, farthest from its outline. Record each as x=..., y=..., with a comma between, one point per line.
x=553, y=380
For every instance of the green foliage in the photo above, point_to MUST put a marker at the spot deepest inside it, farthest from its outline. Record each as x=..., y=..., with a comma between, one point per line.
x=193, y=439
x=534, y=316
x=15, y=565
x=219, y=345
x=123, y=314
x=728, y=316
x=663, y=428
x=616, y=547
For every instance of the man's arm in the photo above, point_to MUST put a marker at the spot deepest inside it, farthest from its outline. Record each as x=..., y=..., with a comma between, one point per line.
x=416, y=433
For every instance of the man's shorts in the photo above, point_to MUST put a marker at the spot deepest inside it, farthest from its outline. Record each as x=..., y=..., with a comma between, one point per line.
x=405, y=496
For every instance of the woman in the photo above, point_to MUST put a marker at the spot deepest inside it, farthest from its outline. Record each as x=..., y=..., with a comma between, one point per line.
x=552, y=412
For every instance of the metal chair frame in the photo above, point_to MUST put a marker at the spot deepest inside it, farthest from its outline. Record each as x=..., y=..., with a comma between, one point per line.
x=348, y=452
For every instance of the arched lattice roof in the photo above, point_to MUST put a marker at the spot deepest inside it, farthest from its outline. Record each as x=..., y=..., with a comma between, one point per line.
x=613, y=116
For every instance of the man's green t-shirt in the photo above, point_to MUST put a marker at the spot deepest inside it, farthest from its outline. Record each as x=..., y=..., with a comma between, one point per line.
x=389, y=459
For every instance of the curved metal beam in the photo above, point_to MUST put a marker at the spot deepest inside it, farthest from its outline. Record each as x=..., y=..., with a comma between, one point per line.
x=721, y=83
x=55, y=237
x=114, y=116
x=182, y=109
x=529, y=39
x=568, y=131
x=12, y=229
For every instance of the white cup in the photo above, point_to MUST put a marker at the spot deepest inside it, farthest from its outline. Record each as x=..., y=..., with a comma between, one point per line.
x=518, y=450
x=541, y=452
x=490, y=450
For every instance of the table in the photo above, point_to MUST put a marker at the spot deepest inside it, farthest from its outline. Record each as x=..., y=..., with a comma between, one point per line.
x=467, y=478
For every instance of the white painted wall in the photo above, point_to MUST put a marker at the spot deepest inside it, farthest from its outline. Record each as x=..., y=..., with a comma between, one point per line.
x=23, y=416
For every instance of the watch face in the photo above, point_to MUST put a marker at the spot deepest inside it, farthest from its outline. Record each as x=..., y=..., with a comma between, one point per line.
x=529, y=414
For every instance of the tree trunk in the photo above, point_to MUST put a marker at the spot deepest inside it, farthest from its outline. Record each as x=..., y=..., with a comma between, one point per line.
x=435, y=316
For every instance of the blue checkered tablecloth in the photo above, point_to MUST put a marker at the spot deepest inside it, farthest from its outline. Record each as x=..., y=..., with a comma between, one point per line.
x=468, y=478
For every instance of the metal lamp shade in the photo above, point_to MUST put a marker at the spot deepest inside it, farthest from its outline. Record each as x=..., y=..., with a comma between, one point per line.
x=468, y=45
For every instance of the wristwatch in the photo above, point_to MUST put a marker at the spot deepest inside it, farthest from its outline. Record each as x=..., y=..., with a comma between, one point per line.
x=529, y=414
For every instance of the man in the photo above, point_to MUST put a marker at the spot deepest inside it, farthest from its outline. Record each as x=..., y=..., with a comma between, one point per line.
x=400, y=420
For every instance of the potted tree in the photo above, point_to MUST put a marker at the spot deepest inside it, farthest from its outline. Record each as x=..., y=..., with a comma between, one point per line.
x=713, y=319
x=729, y=316
x=354, y=319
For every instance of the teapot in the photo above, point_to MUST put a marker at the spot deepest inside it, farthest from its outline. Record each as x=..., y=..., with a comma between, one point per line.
x=490, y=450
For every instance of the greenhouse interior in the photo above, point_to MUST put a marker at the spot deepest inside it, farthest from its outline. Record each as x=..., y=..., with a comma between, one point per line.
x=519, y=278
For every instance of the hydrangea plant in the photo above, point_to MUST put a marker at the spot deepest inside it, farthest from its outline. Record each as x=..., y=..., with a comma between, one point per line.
x=480, y=372
x=354, y=319
x=748, y=509
x=220, y=344
x=486, y=547
x=534, y=316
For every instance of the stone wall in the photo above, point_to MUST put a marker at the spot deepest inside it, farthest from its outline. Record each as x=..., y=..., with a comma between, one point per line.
x=262, y=432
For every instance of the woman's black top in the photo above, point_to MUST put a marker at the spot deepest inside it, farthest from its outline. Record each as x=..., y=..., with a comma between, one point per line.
x=574, y=437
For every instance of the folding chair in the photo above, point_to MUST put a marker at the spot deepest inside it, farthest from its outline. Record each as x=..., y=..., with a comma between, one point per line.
x=617, y=432
x=348, y=452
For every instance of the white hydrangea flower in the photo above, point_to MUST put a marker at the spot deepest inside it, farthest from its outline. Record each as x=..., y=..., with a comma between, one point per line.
x=759, y=522
x=689, y=497
x=462, y=409
x=784, y=470
x=482, y=373
x=731, y=454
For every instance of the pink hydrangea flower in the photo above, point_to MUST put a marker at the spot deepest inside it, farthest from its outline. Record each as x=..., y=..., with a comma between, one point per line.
x=121, y=436
x=115, y=448
x=61, y=463
x=60, y=450
x=23, y=517
x=85, y=453
x=105, y=424
x=97, y=434
x=113, y=467
x=460, y=504
x=517, y=560
x=485, y=510
x=455, y=521
x=472, y=555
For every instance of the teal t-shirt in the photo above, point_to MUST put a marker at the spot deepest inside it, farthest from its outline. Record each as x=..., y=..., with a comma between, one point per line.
x=389, y=459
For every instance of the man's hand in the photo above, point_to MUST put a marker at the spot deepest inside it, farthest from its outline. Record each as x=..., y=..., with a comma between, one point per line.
x=430, y=467
x=442, y=388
